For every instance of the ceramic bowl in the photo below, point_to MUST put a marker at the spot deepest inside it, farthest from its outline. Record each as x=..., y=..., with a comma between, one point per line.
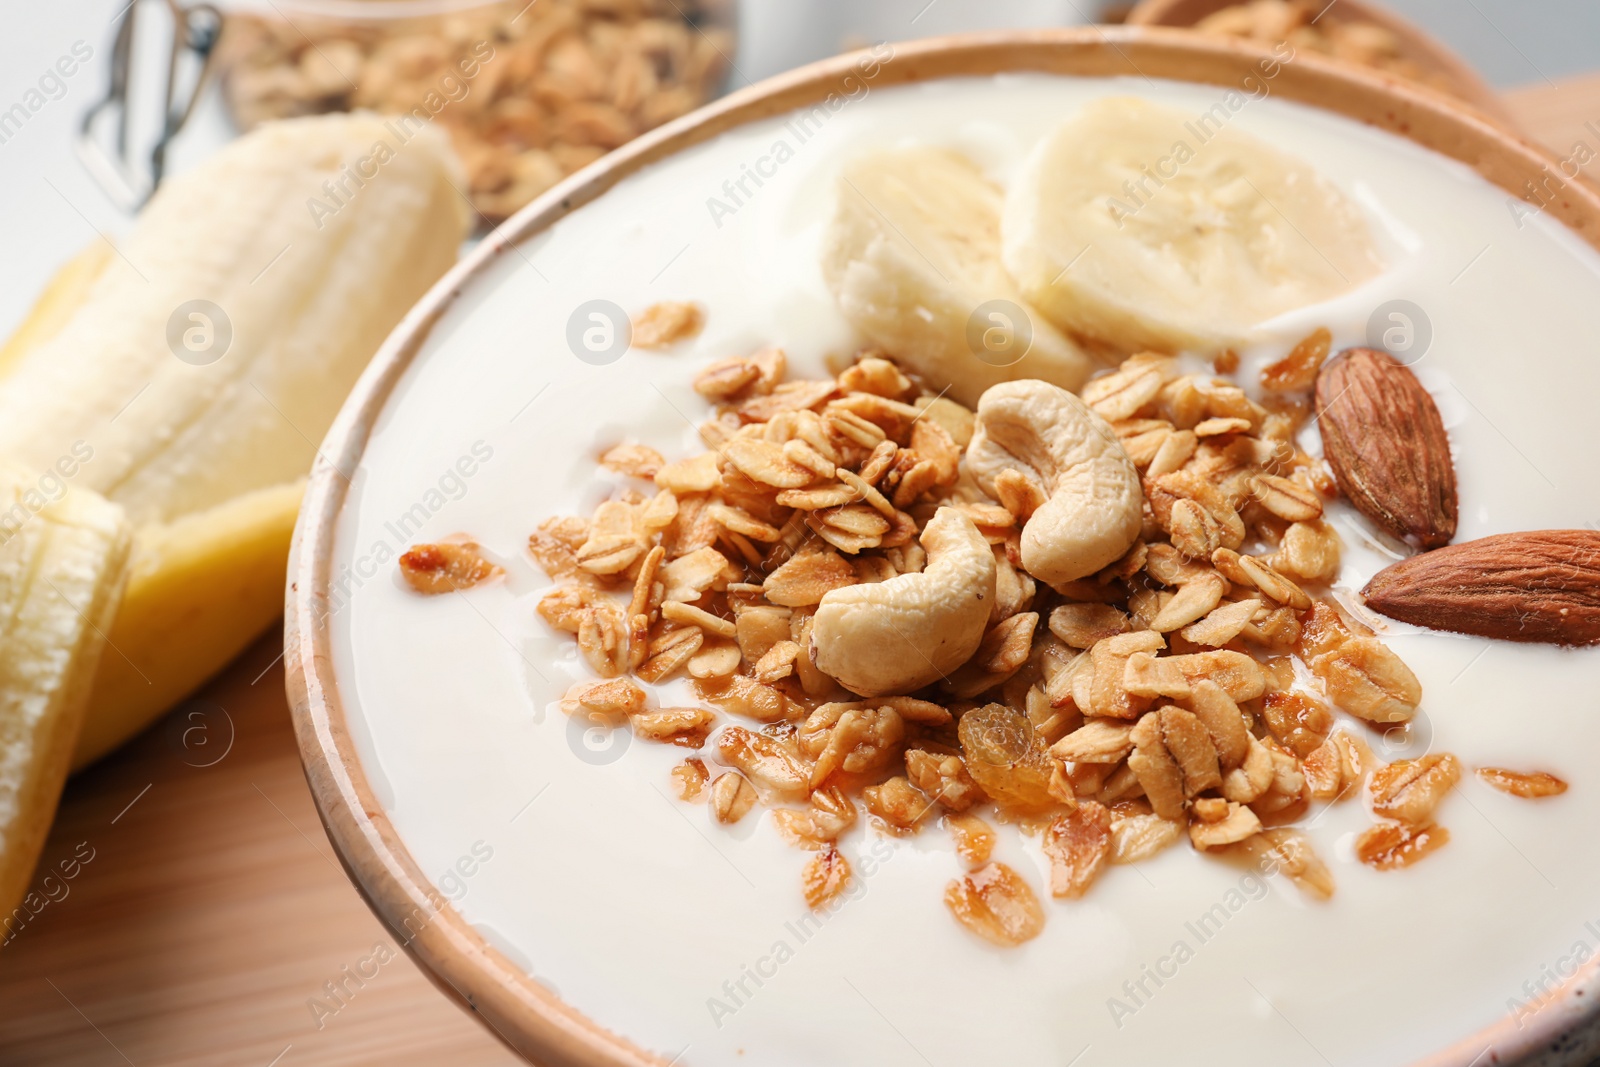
x=524, y=1012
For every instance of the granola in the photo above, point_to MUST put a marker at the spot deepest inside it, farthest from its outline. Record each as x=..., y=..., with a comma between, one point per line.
x=446, y=567
x=1203, y=685
x=1529, y=785
x=528, y=93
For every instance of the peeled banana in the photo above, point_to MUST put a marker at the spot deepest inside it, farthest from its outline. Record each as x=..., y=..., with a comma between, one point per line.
x=912, y=255
x=63, y=562
x=205, y=446
x=1141, y=227
x=60, y=300
x=212, y=352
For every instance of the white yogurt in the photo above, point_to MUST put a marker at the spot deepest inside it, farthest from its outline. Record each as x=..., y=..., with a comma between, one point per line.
x=687, y=937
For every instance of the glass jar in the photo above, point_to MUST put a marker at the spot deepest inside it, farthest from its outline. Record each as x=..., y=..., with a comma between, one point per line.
x=528, y=91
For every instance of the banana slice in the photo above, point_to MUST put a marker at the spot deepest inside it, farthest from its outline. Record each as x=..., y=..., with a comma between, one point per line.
x=62, y=569
x=1142, y=227
x=912, y=255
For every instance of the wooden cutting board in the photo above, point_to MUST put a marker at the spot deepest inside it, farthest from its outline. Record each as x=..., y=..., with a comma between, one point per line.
x=206, y=914
x=213, y=913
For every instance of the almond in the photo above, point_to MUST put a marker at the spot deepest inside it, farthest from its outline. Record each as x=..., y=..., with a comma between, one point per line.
x=1387, y=446
x=1538, y=586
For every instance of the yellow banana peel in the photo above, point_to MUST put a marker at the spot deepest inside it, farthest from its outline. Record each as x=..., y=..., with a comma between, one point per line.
x=203, y=588
x=55, y=305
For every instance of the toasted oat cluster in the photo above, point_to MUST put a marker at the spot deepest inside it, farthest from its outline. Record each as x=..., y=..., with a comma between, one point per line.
x=528, y=92
x=446, y=567
x=1186, y=690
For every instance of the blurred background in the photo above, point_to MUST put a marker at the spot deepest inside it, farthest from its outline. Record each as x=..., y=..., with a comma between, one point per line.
x=1509, y=42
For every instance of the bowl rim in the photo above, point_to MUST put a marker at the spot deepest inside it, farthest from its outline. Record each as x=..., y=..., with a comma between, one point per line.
x=527, y=1016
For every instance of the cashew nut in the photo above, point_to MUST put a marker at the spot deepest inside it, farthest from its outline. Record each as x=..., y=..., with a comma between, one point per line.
x=899, y=635
x=1092, y=514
